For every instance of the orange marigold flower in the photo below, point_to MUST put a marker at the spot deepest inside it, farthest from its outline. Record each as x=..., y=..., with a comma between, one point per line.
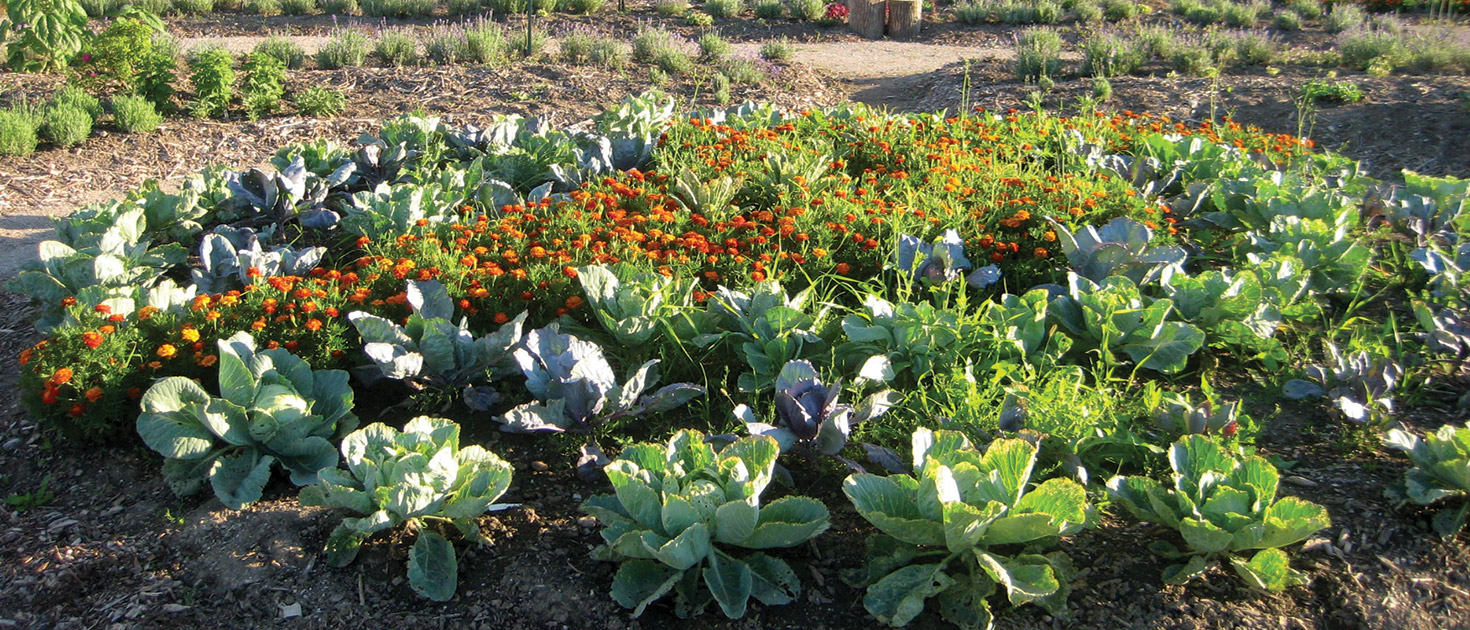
x=843, y=268
x=68, y=301
x=78, y=410
x=116, y=317
x=135, y=392
x=167, y=351
x=501, y=318
x=25, y=355
x=574, y=302
x=103, y=308
x=569, y=271
x=207, y=360
x=1040, y=252
x=189, y=334
x=49, y=396
x=62, y=376
x=94, y=394
x=92, y=340
x=107, y=329
x=314, y=324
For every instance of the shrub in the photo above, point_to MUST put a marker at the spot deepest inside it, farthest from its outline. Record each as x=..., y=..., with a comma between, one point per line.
x=608, y=52
x=649, y=42
x=1102, y=90
x=484, y=41
x=1204, y=14
x=778, y=50
x=720, y=85
x=298, y=7
x=583, y=7
x=262, y=84
x=674, y=61
x=17, y=134
x=287, y=52
x=1157, y=41
x=1109, y=54
x=319, y=101
x=465, y=7
x=347, y=49
x=1310, y=9
x=214, y=79
x=723, y=8
x=1343, y=17
x=192, y=7
x=657, y=77
x=712, y=47
x=135, y=114
x=117, y=57
x=770, y=9
x=671, y=8
x=1361, y=48
x=1118, y=10
x=576, y=47
x=1438, y=52
x=742, y=71
x=73, y=96
x=1239, y=15
x=1288, y=20
x=972, y=12
x=1087, y=11
x=263, y=7
x=340, y=7
x=1255, y=48
x=1038, y=54
x=1194, y=58
x=809, y=10
x=699, y=20
x=445, y=44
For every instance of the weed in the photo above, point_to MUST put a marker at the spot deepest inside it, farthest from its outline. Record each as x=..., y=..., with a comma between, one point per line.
x=33, y=499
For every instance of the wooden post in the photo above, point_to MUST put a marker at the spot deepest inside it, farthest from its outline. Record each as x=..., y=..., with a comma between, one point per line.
x=866, y=17
x=904, y=18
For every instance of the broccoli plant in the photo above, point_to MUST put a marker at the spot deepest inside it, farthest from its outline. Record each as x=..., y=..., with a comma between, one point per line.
x=812, y=420
x=1114, y=317
x=942, y=526
x=576, y=389
x=429, y=352
x=677, y=514
x=766, y=328
x=1119, y=248
x=273, y=408
x=419, y=478
x=1359, y=385
x=1441, y=471
x=1222, y=506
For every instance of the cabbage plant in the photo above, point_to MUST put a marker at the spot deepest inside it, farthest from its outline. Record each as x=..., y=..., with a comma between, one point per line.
x=1359, y=385
x=1222, y=506
x=430, y=352
x=1323, y=250
x=227, y=256
x=680, y=512
x=944, y=529
x=418, y=478
x=1120, y=248
x=1114, y=317
x=1180, y=415
x=632, y=306
x=811, y=417
x=885, y=340
x=1441, y=472
x=273, y=408
x=576, y=390
x=938, y=262
x=766, y=329
x=1446, y=331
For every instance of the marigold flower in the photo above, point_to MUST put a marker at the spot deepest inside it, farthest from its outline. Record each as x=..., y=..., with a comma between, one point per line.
x=135, y=393
x=49, y=396
x=189, y=334
x=92, y=340
x=78, y=410
x=167, y=351
x=574, y=302
x=207, y=360
x=501, y=318
x=116, y=317
x=107, y=329
x=103, y=308
x=68, y=301
x=314, y=324
x=843, y=269
x=61, y=376
x=94, y=394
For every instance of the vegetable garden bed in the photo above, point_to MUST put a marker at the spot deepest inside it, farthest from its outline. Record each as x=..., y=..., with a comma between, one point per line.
x=1058, y=285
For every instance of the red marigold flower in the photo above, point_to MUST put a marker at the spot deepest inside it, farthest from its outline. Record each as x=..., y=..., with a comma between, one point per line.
x=62, y=376
x=843, y=268
x=68, y=301
x=94, y=394
x=78, y=410
x=49, y=396
x=92, y=339
x=103, y=308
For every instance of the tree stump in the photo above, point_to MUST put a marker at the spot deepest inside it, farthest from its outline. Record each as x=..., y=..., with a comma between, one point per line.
x=904, y=18
x=865, y=17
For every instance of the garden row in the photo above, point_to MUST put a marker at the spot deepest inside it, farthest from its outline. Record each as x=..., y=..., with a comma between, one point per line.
x=861, y=284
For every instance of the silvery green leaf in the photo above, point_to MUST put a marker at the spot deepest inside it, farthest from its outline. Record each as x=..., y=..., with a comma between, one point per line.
x=238, y=479
x=433, y=571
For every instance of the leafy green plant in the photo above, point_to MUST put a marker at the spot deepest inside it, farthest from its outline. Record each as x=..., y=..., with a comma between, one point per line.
x=1359, y=385
x=66, y=125
x=770, y=9
x=73, y=96
x=214, y=82
x=765, y=328
x=723, y=8
x=192, y=7
x=671, y=8
x=809, y=10
x=340, y=7
x=1342, y=17
x=1119, y=248
x=632, y=306
x=1319, y=91
x=263, y=7
x=273, y=408
x=298, y=7
x=429, y=351
x=1112, y=316
x=1038, y=54
x=811, y=419
x=419, y=478
x=943, y=529
x=48, y=34
x=678, y=509
x=1441, y=471
x=886, y=341
x=320, y=101
x=31, y=499
x=262, y=84
x=135, y=114
x=1222, y=506
x=289, y=53
x=778, y=50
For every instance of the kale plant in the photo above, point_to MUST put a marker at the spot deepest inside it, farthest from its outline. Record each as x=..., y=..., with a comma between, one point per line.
x=273, y=408
x=679, y=511
x=944, y=530
x=1222, y=506
x=1359, y=385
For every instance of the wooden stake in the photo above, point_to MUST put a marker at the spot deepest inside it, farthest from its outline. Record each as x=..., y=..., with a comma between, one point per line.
x=905, y=17
x=866, y=17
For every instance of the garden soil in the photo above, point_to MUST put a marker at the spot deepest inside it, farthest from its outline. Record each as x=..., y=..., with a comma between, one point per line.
x=110, y=546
